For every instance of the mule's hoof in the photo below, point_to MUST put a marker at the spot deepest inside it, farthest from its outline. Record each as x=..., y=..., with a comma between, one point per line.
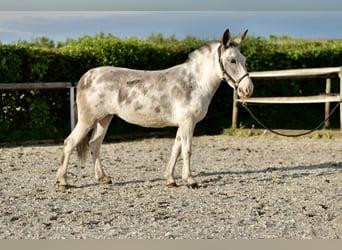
x=105, y=181
x=193, y=185
x=172, y=185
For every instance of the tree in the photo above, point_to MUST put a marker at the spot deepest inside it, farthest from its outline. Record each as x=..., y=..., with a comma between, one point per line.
x=41, y=42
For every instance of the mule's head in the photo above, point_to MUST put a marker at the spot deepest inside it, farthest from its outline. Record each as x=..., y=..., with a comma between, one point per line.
x=232, y=64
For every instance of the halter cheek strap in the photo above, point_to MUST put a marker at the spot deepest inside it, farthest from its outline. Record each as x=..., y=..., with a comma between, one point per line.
x=225, y=73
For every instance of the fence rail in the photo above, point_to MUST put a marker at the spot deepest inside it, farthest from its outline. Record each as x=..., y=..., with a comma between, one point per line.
x=326, y=73
x=293, y=99
x=296, y=73
x=36, y=85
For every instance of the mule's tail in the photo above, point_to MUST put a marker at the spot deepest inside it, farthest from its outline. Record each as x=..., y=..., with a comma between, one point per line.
x=82, y=147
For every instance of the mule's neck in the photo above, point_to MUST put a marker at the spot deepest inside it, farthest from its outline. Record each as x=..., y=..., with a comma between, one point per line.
x=204, y=63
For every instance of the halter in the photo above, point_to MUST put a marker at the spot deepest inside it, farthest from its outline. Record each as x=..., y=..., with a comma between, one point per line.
x=225, y=73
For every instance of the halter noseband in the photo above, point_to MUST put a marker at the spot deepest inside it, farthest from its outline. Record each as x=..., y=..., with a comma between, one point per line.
x=225, y=73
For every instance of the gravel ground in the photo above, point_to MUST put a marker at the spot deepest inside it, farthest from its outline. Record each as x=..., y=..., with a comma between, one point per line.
x=250, y=187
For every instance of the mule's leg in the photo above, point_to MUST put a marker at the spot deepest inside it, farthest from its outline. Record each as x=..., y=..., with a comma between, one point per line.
x=95, y=142
x=187, y=130
x=75, y=137
x=176, y=149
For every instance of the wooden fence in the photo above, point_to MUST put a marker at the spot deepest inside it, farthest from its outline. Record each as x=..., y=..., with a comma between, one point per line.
x=326, y=98
x=46, y=85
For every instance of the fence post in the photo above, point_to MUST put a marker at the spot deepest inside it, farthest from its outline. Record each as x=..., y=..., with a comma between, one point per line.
x=235, y=109
x=327, y=104
x=72, y=101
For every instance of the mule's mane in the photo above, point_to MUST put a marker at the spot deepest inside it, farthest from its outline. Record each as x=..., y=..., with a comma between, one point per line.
x=207, y=49
x=203, y=51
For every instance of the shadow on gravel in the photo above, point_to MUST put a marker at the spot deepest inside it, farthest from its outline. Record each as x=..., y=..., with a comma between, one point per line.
x=124, y=183
x=86, y=185
x=337, y=166
x=117, y=183
x=324, y=166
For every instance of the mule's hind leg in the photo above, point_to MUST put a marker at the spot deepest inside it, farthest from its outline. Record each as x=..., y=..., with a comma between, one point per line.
x=176, y=149
x=76, y=136
x=95, y=142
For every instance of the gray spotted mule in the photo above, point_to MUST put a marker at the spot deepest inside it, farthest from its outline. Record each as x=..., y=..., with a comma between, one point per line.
x=178, y=96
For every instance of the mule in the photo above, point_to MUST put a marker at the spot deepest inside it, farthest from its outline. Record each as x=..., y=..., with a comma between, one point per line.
x=178, y=96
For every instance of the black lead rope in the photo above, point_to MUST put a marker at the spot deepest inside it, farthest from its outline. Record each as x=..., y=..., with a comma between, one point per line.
x=287, y=135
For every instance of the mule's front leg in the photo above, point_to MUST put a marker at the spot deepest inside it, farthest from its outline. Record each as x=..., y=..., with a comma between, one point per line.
x=186, y=136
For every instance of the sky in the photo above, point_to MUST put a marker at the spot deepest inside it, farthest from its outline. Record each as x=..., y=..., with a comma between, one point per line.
x=203, y=5
x=59, y=20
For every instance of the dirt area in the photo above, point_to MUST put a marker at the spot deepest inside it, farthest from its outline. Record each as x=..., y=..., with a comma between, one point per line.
x=250, y=187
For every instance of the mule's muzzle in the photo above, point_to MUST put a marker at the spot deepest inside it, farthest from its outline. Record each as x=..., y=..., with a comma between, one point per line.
x=245, y=91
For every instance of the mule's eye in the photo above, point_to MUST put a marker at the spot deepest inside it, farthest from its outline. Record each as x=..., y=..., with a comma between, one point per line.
x=233, y=61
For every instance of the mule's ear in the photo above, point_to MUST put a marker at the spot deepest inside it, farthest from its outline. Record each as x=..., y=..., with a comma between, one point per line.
x=226, y=39
x=239, y=39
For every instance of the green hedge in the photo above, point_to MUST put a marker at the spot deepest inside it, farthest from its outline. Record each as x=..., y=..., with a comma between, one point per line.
x=44, y=114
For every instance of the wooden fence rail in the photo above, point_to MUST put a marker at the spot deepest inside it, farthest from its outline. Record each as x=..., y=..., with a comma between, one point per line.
x=327, y=98
x=36, y=85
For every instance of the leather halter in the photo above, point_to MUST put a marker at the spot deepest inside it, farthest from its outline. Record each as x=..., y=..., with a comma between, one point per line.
x=225, y=73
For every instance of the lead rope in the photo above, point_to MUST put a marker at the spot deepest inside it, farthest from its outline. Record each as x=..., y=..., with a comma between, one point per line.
x=289, y=135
